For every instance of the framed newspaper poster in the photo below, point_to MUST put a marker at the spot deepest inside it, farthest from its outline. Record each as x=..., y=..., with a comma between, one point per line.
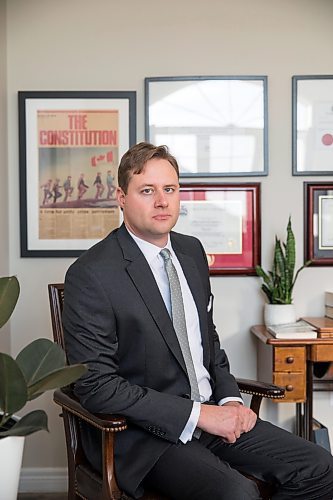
x=312, y=130
x=216, y=126
x=318, y=223
x=226, y=218
x=70, y=144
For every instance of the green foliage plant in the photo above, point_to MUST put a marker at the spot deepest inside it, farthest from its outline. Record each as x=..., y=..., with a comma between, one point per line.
x=278, y=284
x=39, y=367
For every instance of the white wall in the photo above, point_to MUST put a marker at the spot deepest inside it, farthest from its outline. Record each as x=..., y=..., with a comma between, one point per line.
x=4, y=234
x=113, y=45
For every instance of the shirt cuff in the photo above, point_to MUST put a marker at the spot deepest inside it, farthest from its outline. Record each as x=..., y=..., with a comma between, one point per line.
x=223, y=401
x=191, y=424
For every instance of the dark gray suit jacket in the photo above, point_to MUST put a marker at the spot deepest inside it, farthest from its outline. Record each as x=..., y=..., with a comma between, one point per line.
x=115, y=320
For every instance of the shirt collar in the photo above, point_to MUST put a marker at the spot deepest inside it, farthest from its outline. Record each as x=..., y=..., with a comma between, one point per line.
x=149, y=250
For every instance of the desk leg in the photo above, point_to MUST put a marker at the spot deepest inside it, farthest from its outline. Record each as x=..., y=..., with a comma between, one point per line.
x=308, y=405
x=299, y=420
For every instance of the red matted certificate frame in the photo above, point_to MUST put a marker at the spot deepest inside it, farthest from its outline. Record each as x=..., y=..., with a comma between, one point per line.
x=226, y=219
x=318, y=223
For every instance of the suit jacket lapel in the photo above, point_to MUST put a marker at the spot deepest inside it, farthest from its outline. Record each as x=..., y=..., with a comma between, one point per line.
x=144, y=281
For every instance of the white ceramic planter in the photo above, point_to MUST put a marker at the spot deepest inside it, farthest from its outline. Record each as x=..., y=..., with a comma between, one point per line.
x=279, y=314
x=11, y=451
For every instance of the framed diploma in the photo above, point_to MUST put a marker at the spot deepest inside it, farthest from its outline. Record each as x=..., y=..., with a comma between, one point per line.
x=70, y=146
x=312, y=125
x=318, y=223
x=226, y=219
x=215, y=125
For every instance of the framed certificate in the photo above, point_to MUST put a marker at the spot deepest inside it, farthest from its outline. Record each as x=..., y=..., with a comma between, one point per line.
x=215, y=125
x=226, y=219
x=312, y=125
x=70, y=147
x=318, y=223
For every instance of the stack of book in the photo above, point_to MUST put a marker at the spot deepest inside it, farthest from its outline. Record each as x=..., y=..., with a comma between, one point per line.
x=299, y=330
x=329, y=304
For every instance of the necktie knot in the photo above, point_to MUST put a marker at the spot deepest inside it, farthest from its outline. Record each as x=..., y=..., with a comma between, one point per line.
x=165, y=254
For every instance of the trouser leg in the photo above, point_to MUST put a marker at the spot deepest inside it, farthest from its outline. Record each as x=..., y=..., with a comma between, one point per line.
x=299, y=468
x=192, y=472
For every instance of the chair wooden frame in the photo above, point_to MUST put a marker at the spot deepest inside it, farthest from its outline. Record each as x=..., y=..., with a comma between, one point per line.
x=83, y=481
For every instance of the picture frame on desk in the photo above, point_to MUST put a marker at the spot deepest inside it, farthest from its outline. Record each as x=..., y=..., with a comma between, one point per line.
x=312, y=125
x=227, y=220
x=70, y=145
x=318, y=223
x=216, y=126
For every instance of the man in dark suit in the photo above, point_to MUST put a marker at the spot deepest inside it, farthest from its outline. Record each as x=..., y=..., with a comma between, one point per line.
x=118, y=319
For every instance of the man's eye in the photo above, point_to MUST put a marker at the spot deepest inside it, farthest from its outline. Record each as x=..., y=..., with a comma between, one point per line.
x=147, y=191
x=169, y=190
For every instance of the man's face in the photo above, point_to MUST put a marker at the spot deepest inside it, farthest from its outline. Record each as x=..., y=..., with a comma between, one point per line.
x=151, y=204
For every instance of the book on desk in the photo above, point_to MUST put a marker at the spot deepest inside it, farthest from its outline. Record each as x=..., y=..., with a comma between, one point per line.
x=323, y=325
x=298, y=330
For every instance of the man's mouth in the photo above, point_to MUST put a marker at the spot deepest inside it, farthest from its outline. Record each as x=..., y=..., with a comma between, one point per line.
x=162, y=216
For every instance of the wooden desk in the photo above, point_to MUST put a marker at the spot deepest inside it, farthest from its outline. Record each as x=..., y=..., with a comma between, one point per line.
x=289, y=364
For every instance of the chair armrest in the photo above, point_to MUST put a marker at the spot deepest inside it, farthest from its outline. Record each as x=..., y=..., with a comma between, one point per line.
x=108, y=423
x=262, y=389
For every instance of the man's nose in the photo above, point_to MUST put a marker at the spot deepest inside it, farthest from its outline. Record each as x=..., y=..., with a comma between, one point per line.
x=160, y=199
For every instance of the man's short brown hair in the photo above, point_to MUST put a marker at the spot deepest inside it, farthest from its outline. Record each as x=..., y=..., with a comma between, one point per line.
x=135, y=159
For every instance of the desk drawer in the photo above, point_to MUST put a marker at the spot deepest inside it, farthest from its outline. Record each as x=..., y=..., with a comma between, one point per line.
x=293, y=383
x=322, y=352
x=289, y=359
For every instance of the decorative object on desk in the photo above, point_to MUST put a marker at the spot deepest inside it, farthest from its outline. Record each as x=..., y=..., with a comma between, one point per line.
x=329, y=299
x=329, y=305
x=297, y=330
x=323, y=325
x=279, y=283
x=39, y=367
x=329, y=312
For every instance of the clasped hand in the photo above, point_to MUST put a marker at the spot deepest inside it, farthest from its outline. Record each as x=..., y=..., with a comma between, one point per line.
x=228, y=421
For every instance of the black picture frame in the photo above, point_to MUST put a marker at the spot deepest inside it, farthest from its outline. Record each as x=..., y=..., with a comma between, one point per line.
x=312, y=125
x=216, y=126
x=64, y=136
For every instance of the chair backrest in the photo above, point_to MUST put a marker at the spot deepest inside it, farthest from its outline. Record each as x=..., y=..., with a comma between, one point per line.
x=56, y=297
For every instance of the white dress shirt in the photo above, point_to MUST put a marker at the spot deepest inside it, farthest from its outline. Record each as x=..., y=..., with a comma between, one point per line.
x=156, y=263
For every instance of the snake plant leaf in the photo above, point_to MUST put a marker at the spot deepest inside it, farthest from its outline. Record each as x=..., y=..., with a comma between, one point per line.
x=13, y=387
x=278, y=288
x=9, y=293
x=58, y=378
x=32, y=422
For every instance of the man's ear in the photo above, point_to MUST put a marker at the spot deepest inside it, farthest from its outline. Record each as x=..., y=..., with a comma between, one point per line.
x=120, y=197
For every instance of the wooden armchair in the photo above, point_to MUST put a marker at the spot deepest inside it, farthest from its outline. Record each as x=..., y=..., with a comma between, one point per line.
x=83, y=481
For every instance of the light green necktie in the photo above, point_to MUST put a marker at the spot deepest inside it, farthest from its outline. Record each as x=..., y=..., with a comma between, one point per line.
x=179, y=322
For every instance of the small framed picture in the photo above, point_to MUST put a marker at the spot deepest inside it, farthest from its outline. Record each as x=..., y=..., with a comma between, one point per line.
x=215, y=126
x=226, y=219
x=312, y=125
x=318, y=223
x=70, y=146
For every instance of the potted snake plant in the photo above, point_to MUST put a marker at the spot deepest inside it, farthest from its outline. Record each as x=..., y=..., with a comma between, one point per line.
x=278, y=284
x=39, y=367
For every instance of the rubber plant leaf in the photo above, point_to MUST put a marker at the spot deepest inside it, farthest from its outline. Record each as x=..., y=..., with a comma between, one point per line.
x=13, y=387
x=32, y=422
x=44, y=366
x=9, y=293
x=39, y=358
x=59, y=378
